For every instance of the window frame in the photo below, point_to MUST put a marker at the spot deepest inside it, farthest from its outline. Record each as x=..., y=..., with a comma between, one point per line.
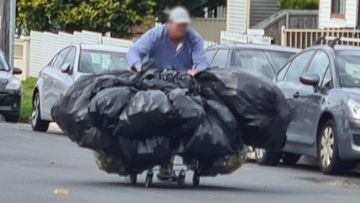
x=227, y=58
x=327, y=69
x=306, y=66
x=215, y=50
x=57, y=56
x=337, y=15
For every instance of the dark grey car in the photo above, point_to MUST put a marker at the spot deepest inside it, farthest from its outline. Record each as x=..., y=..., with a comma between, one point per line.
x=260, y=59
x=322, y=83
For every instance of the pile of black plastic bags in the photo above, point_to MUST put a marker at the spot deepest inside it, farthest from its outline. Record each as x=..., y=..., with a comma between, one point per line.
x=135, y=121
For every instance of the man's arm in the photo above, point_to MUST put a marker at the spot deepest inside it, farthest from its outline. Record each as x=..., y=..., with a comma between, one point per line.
x=199, y=56
x=142, y=48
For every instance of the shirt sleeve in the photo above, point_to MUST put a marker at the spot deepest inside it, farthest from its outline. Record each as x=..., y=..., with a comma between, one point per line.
x=199, y=55
x=141, y=49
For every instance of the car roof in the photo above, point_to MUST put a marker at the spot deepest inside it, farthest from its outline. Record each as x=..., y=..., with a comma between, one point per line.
x=256, y=46
x=101, y=47
x=336, y=48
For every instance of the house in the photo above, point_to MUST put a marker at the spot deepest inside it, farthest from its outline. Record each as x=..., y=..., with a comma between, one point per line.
x=243, y=14
x=339, y=14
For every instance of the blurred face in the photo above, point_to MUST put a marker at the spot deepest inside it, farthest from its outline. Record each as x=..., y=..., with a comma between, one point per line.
x=177, y=31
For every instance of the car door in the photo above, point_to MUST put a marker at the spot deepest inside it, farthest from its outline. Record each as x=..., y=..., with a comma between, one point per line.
x=63, y=80
x=288, y=81
x=50, y=73
x=310, y=99
x=46, y=89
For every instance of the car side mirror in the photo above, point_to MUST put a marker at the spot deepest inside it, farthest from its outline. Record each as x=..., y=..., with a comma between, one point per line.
x=17, y=71
x=312, y=79
x=65, y=68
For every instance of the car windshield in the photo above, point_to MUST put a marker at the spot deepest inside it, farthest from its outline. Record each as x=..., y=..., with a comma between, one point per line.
x=349, y=68
x=3, y=65
x=97, y=62
x=266, y=63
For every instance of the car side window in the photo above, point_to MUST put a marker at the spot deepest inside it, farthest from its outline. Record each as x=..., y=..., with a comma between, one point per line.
x=221, y=58
x=70, y=58
x=61, y=57
x=53, y=60
x=327, y=81
x=297, y=66
x=283, y=71
x=211, y=53
x=319, y=64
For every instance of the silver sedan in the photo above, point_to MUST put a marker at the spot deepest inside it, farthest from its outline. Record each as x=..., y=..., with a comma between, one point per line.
x=64, y=69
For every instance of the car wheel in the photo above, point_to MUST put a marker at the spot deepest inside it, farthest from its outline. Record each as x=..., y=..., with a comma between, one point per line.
x=290, y=159
x=36, y=122
x=266, y=158
x=329, y=160
x=14, y=118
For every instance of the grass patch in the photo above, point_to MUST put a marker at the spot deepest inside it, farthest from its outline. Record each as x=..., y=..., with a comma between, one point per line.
x=26, y=100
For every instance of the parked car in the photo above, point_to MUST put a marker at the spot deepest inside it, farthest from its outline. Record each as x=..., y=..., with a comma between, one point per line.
x=64, y=69
x=10, y=91
x=322, y=83
x=260, y=59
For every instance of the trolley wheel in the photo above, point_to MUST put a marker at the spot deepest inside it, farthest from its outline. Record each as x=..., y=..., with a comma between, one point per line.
x=133, y=178
x=149, y=178
x=196, y=179
x=181, y=180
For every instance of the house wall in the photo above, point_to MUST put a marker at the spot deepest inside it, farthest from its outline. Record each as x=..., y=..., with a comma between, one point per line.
x=262, y=9
x=209, y=28
x=237, y=15
x=350, y=20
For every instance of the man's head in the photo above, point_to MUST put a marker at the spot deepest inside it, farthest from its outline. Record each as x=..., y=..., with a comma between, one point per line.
x=179, y=21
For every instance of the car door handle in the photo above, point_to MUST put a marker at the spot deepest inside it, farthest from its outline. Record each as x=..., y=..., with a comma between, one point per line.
x=296, y=95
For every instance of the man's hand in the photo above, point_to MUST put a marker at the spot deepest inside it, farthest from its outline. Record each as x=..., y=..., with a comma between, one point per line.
x=191, y=72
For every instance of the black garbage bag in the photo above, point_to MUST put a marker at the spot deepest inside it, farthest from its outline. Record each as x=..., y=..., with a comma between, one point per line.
x=189, y=113
x=141, y=154
x=148, y=113
x=258, y=105
x=167, y=80
x=71, y=111
x=105, y=108
x=217, y=135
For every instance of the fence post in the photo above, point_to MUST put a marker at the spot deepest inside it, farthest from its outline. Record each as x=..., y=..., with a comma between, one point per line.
x=283, y=37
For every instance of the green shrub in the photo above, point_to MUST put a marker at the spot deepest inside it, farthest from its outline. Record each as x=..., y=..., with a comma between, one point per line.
x=298, y=4
x=26, y=100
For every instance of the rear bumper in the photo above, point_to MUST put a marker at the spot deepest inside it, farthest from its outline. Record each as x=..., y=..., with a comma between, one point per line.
x=349, y=142
x=10, y=101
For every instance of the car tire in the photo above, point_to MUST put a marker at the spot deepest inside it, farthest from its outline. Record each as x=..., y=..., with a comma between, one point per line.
x=13, y=118
x=290, y=159
x=328, y=153
x=36, y=122
x=267, y=158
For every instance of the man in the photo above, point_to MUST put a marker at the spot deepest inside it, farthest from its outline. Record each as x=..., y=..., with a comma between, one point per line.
x=173, y=45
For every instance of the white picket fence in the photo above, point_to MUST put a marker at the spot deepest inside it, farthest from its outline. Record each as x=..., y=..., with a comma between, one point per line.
x=44, y=45
x=236, y=38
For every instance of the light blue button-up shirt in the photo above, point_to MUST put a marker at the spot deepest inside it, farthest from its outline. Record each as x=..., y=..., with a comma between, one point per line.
x=157, y=45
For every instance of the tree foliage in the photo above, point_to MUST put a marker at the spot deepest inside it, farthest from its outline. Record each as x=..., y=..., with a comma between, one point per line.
x=299, y=4
x=116, y=16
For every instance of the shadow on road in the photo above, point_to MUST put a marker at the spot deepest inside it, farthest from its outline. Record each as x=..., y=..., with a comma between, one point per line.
x=189, y=188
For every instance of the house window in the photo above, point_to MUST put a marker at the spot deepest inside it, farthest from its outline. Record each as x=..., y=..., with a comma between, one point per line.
x=338, y=7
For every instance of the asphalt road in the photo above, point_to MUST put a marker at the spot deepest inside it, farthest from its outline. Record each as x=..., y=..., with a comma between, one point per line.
x=33, y=165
